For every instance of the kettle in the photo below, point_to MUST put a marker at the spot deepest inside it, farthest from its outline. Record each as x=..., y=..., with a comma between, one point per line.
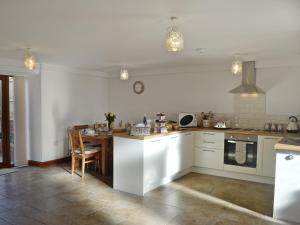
x=292, y=125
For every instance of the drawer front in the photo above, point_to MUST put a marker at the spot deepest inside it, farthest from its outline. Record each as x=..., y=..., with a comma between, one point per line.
x=210, y=140
x=205, y=157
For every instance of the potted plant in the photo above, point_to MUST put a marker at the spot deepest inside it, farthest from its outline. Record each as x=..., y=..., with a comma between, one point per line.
x=110, y=118
x=206, y=118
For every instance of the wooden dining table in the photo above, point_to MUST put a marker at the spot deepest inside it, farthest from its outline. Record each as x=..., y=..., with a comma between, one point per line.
x=106, y=142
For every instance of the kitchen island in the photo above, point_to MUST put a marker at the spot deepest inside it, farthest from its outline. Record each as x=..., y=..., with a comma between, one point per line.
x=142, y=163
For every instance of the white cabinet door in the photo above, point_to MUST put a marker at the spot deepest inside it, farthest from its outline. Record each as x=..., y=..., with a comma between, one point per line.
x=214, y=140
x=287, y=187
x=187, y=148
x=174, y=155
x=269, y=156
x=206, y=157
x=155, y=154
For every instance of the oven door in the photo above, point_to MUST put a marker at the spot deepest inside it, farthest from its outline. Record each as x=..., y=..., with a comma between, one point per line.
x=230, y=153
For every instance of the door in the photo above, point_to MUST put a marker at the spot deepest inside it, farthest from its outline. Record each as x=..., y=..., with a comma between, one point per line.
x=205, y=157
x=5, y=157
x=174, y=154
x=187, y=150
x=155, y=161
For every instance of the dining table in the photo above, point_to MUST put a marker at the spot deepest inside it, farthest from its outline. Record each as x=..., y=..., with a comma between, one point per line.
x=105, y=141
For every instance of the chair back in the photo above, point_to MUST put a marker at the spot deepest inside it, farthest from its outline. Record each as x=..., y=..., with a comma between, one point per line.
x=76, y=142
x=81, y=127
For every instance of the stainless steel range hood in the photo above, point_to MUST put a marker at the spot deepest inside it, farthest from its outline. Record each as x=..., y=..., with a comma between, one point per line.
x=248, y=85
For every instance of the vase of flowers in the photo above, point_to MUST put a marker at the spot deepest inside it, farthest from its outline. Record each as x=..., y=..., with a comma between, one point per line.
x=110, y=118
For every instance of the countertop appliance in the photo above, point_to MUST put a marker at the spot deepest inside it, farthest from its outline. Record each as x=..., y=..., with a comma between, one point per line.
x=187, y=120
x=222, y=124
x=292, y=125
x=240, y=153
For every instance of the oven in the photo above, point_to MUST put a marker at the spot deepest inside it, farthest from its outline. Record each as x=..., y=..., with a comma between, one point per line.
x=240, y=152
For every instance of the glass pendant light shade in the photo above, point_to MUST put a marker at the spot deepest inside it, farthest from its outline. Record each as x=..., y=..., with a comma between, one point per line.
x=174, y=42
x=236, y=67
x=124, y=74
x=29, y=60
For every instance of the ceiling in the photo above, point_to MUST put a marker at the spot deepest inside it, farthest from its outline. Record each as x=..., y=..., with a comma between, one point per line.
x=104, y=35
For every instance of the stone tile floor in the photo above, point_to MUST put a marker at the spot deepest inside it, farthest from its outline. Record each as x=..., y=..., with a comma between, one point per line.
x=51, y=196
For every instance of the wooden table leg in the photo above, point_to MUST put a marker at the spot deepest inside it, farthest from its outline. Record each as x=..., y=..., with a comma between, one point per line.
x=104, y=158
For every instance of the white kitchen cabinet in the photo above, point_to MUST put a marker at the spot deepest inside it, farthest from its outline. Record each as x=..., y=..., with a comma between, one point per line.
x=187, y=150
x=207, y=158
x=287, y=187
x=174, y=154
x=142, y=165
x=214, y=140
x=209, y=150
x=269, y=156
x=155, y=158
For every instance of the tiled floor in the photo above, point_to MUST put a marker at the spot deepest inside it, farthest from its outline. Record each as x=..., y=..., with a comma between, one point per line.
x=52, y=196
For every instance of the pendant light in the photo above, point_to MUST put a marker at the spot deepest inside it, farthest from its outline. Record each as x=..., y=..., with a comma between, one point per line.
x=236, y=67
x=124, y=74
x=174, y=41
x=29, y=60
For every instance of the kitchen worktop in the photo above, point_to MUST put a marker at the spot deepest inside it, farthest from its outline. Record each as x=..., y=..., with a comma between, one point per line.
x=288, y=144
x=234, y=130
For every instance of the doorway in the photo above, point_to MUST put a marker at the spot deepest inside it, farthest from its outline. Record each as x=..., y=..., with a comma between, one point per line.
x=5, y=124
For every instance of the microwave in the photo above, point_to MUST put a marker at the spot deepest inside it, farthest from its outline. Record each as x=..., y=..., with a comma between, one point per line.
x=187, y=120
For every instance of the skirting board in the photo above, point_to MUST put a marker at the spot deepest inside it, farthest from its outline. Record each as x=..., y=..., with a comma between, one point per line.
x=228, y=174
x=48, y=163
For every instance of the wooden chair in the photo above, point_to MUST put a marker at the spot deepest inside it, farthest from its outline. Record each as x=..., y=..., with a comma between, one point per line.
x=81, y=152
x=82, y=127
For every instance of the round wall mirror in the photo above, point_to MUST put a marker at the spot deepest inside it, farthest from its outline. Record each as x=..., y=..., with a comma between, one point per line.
x=138, y=87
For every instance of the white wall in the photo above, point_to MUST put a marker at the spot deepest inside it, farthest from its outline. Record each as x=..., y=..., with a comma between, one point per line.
x=195, y=92
x=20, y=154
x=69, y=99
x=33, y=111
x=203, y=91
x=282, y=85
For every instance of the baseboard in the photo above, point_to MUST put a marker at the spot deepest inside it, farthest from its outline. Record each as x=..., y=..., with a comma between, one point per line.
x=233, y=175
x=48, y=163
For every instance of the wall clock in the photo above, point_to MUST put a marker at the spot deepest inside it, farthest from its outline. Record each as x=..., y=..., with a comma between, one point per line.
x=138, y=87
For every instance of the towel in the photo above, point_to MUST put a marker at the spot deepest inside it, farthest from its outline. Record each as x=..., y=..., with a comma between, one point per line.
x=240, y=152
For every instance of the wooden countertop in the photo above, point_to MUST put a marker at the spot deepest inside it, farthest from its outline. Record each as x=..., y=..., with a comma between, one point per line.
x=288, y=144
x=237, y=131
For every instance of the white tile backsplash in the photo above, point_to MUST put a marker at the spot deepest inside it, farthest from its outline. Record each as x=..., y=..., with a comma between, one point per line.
x=250, y=112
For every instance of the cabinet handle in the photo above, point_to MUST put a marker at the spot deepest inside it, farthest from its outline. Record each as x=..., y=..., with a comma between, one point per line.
x=289, y=157
x=209, y=142
x=206, y=150
x=155, y=141
x=209, y=133
x=187, y=134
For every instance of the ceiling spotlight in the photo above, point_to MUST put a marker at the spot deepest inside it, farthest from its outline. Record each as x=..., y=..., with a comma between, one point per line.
x=124, y=74
x=174, y=41
x=29, y=60
x=236, y=67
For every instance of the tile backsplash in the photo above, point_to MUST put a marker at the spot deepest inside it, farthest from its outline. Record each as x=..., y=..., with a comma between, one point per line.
x=250, y=112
